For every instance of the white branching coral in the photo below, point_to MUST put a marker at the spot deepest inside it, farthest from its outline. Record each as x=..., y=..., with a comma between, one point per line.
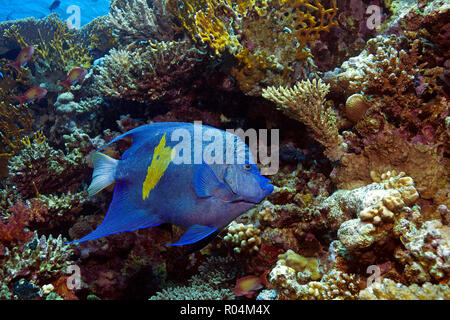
x=135, y=20
x=213, y=282
x=148, y=71
x=306, y=102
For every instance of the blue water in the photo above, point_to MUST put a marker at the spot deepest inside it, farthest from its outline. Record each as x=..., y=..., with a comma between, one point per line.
x=89, y=9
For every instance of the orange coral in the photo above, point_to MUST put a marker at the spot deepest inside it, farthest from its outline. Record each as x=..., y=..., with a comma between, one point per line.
x=14, y=229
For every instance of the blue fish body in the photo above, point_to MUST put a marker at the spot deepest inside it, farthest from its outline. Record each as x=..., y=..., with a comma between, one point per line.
x=164, y=178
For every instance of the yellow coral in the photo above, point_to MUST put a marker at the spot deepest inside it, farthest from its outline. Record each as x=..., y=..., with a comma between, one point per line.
x=15, y=123
x=212, y=31
x=267, y=37
x=60, y=52
x=244, y=238
x=300, y=264
x=355, y=107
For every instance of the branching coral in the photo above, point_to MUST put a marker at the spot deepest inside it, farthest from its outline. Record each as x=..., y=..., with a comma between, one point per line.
x=15, y=123
x=57, y=52
x=390, y=290
x=212, y=283
x=135, y=20
x=99, y=34
x=39, y=168
x=306, y=102
x=41, y=261
x=153, y=71
x=246, y=30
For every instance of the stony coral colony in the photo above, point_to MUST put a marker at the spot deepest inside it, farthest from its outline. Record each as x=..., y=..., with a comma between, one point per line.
x=361, y=204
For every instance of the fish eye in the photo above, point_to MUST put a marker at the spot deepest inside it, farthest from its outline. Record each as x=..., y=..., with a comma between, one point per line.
x=247, y=166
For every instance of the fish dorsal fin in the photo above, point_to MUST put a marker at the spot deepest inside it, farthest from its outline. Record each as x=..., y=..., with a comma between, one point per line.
x=194, y=234
x=122, y=216
x=140, y=135
x=207, y=185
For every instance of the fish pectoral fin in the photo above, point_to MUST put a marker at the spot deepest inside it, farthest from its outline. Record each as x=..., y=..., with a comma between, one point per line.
x=194, y=234
x=207, y=185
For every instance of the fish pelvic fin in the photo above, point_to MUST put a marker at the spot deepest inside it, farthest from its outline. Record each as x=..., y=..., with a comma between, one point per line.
x=194, y=234
x=104, y=172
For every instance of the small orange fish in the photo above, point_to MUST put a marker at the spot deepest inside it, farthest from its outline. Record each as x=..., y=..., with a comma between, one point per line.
x=75, y=76
x=249, y=285
x=23, y=58
x=32, y=94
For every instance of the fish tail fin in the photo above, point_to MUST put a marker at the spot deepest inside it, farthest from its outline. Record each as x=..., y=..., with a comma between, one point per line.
x=65, y=83
x=104, y=172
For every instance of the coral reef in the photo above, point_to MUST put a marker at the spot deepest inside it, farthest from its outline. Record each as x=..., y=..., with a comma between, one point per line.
x=39, y=168
x=41, y=261
x=135, y=20
x=332, y=286
x=209, y=284
x=57, y=51
x=243, y=238
x=360, y=207
x=149, y=71
x=306, y=102
x=390, y=290
x=245, y=30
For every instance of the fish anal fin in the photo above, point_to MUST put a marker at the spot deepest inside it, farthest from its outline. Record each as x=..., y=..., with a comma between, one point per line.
x=122, y=216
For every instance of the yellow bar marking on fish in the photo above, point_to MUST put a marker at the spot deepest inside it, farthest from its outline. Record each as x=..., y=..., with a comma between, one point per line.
x=162, y=157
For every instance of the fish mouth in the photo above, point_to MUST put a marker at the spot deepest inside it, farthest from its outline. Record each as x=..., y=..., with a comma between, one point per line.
x=265, y=190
